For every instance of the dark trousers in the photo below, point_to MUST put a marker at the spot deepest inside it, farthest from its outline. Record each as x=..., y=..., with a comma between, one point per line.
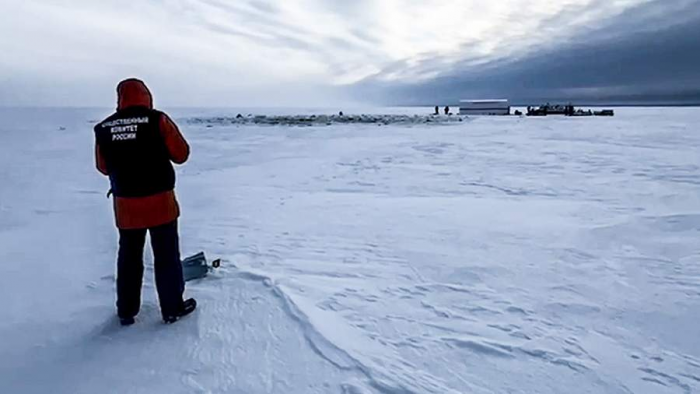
x=166, y=259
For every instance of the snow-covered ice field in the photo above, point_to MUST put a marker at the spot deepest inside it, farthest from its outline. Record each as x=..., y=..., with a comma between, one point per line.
x=496, y=255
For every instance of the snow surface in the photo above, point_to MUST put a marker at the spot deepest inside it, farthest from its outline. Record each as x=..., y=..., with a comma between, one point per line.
x=496, y=255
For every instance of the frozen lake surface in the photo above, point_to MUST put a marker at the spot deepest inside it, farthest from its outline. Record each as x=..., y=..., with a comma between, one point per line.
x=492, y=255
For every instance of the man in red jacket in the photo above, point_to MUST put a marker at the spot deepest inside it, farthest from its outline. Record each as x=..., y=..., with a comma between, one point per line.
x=136, y=147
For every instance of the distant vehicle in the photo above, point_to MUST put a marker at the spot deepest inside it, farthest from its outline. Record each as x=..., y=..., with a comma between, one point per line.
x=567, y=110
x=484, y=107
x=549, y=109
x=605, y=112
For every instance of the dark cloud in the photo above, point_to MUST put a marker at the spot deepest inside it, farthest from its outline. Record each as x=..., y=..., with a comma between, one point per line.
x=649, y=53
x=419, y=51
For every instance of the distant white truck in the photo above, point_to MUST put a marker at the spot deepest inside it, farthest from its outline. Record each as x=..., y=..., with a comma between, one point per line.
x=484, y=107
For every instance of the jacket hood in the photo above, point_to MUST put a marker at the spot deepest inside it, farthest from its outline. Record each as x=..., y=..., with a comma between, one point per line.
x=133, y=93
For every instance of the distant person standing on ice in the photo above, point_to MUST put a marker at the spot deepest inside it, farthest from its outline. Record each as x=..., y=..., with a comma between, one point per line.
x=136, y=147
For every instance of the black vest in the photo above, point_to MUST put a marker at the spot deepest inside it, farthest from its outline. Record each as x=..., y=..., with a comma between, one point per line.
x=137, y=159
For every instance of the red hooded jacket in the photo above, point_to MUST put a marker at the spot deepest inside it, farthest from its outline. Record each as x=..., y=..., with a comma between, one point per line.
x=157, y=209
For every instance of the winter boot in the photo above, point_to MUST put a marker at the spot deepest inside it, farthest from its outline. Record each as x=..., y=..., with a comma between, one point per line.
x=187, y=307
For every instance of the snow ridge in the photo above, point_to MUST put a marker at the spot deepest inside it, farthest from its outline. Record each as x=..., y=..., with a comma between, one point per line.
x=339, y=357
x=326, y=120
x=320, y=345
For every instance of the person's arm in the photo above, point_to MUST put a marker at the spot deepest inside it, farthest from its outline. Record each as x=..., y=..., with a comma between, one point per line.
x=178, y=148
x=100, y=162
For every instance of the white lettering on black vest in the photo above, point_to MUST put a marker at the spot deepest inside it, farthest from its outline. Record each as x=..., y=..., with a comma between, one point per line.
x=125, y=129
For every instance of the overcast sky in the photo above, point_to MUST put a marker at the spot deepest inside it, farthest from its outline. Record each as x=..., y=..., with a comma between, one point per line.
x=317, y=52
